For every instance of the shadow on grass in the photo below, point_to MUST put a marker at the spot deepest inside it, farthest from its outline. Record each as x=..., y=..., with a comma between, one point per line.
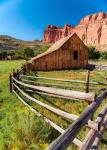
x=54, y=106
x=104, y=141
x=0, y=90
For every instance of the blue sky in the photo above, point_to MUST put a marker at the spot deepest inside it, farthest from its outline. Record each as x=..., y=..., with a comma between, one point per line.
x=27, y=19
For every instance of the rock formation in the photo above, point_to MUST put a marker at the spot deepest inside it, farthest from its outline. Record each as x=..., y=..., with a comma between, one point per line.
x=53, y=33
x=92, y=30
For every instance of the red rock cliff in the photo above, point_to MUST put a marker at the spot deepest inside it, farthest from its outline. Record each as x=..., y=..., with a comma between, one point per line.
x=92, y=30
x=53, y=33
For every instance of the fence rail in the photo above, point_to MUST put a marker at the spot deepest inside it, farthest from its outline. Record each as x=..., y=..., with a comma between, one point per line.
x=69, y=135
x=62, y=86
x=59, y=92
x=66, y=138
x=64, y=80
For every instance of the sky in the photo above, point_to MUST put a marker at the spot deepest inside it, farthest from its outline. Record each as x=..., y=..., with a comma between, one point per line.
x=27, y=19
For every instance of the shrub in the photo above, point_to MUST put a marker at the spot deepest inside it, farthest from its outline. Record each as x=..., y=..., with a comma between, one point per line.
x=103, y=55
x=42, y=49
x=24, y=53
x=3, y=54
x=28, y=53
x=19, y=54
x=93, y=53
x=11, y=52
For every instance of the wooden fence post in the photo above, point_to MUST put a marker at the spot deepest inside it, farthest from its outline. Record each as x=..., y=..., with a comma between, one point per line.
x=24, y=69
x=17, y=74
x=17, y=71
x=87, y=82
x=11, y=88
x=13, y=72
x=87, y=88
x=26, y=66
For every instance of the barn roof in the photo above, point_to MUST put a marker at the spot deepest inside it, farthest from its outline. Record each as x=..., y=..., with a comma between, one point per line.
x=55, y=46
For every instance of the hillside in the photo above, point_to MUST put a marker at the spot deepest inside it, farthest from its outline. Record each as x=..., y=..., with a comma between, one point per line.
x=92, y=29
x=10, y=43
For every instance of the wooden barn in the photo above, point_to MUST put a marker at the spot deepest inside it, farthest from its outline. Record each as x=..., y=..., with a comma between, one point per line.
x=67, y=53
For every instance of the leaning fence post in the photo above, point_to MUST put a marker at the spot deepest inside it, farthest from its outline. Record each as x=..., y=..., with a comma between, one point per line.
x=13, y=72
x=26, y=66
x=87, y=88
x=11, y=88
x=24, y=69
x=17, y=74
x=87, y=82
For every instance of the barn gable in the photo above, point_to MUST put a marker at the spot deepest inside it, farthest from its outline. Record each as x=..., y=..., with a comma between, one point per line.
x=55, y=46
x=67, y=53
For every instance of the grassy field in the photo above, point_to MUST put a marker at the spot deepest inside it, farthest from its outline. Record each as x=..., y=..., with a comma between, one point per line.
x=98, y=62
x=19, y=128
x=22, y=130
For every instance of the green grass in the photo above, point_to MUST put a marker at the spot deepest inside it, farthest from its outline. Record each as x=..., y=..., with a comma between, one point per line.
x=98, y=62
x=20, y=129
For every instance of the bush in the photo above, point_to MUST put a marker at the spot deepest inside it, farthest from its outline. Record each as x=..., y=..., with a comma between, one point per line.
x=19, y=54
x=24, y=53
x=11, y=52
x=93, y=53
x=3, y=54
x=42, y=49
x=28, y=53
x=103, y=55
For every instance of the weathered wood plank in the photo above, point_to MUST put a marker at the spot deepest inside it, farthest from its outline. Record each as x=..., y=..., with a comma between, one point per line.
x=99, y=136
x=87, y=82
x=93, y=125
x=63, y=57
x=60, y=85
x=52, y=109
x=77, y=142
x=10, y=77
x=55, y=79
x=53, y=95
x=60, y=92
x=88, y=141
x=52, y=84
x=64, y=80
x=67, y=137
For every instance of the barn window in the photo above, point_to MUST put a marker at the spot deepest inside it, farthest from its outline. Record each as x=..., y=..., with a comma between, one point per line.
x=75, y=55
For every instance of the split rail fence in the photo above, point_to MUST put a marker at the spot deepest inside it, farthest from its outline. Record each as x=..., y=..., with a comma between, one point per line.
x=21, y=87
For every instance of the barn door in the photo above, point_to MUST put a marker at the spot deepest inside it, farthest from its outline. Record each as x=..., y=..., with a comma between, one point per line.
x=75, y=58
x=75, y=55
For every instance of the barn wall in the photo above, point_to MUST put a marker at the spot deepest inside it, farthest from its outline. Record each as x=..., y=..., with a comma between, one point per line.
x=64, y=57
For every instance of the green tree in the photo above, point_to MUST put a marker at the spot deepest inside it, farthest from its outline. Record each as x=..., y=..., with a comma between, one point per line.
x=3, y=54
x=42, y=49
x=19, y=54
x=28, y=53
x=24, y=53
x=11, y=52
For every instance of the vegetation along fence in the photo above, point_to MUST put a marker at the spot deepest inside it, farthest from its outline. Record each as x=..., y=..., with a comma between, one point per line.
x=23, y=86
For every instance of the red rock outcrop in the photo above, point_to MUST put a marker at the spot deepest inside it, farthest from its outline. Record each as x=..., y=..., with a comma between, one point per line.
x=92, y=30
x=53, y=33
